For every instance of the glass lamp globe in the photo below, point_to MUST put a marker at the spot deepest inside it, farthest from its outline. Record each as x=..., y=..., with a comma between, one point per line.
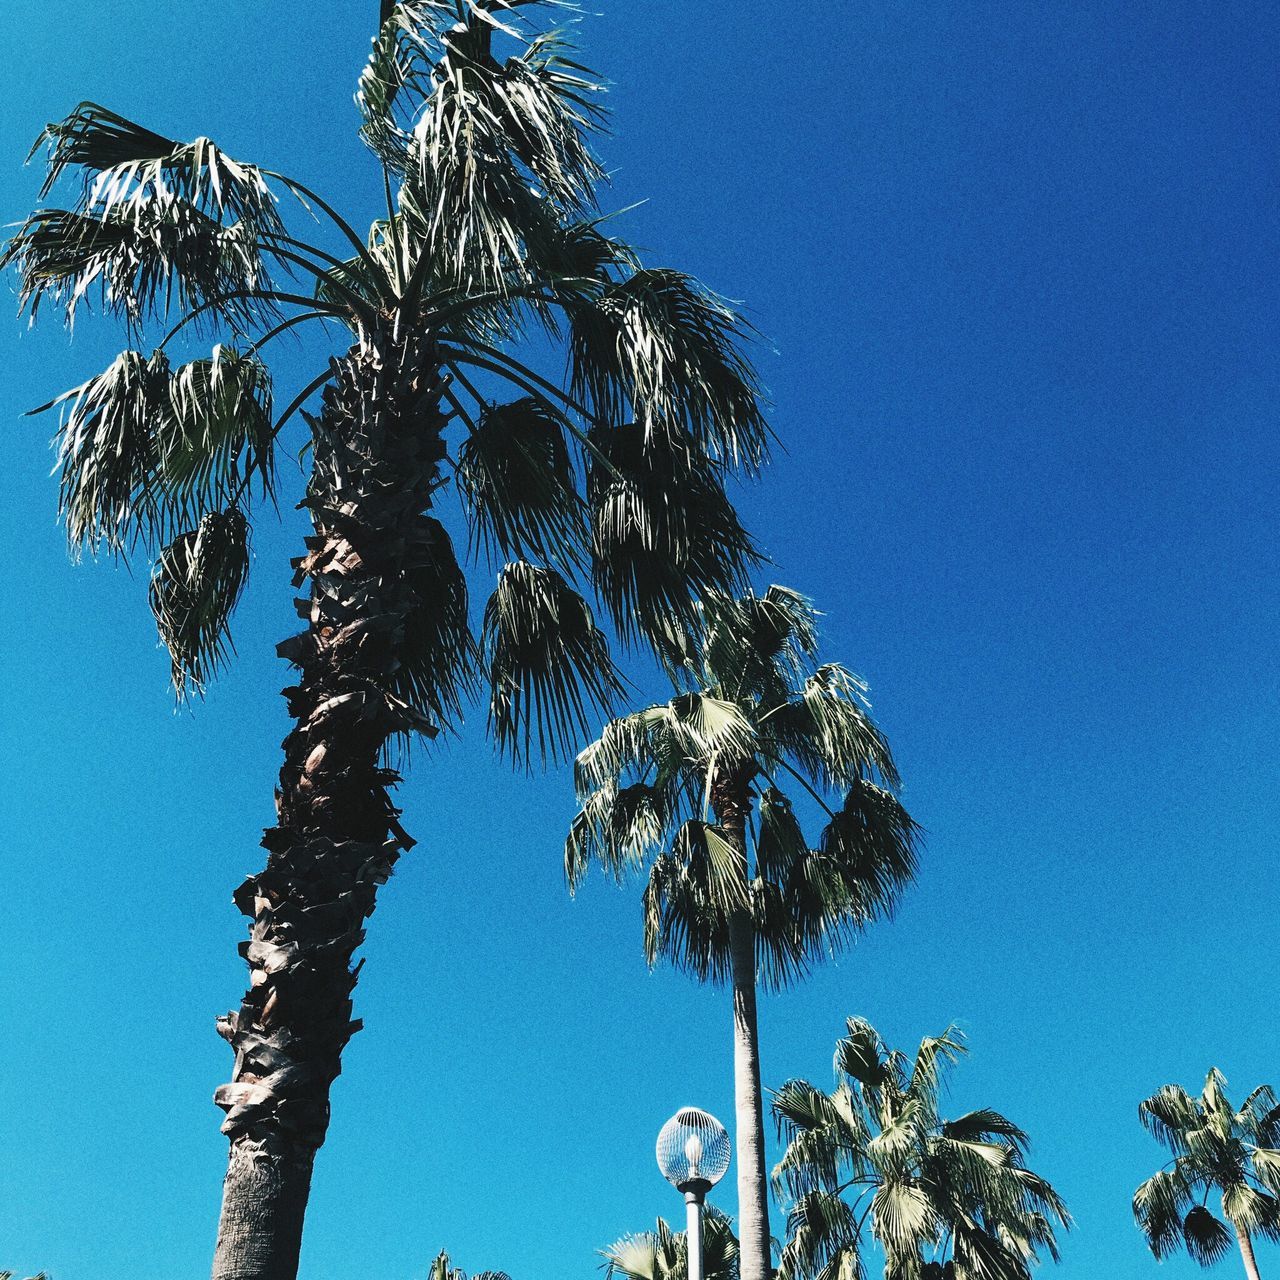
x=693, y=1150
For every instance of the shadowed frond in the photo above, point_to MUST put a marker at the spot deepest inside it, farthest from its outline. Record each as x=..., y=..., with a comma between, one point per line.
x=663, y=534
x=1206, y=1239
x=195, y=585
x=439, y=654
x=658, y=348
x=616, y=828
x=164, y=254
x=548, y=663
x=516, y=477
x=143, y=448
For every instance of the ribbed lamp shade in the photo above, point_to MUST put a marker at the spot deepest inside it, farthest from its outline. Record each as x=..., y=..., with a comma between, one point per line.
x=693, y=1149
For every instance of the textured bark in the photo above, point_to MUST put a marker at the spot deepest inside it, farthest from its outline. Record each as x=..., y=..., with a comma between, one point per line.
x=377, y=448
x=1246, y=1253
x=731, y=798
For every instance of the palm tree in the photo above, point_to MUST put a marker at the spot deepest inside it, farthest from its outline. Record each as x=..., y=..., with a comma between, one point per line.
x=1216, y=1150
x=662, y=1254
x=481, y=126
x=945, y=1199
x=442, y=1268
x=734, y=894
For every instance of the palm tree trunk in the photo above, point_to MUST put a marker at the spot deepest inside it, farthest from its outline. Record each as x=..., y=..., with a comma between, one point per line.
x=1246, y=1252
x=753, y=1186
x=377, y=446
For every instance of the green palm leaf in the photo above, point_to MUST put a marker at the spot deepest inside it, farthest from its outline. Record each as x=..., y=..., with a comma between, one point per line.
x=195, y=585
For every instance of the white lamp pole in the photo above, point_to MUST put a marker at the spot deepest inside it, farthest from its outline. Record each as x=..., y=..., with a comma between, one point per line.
x=693, y=1154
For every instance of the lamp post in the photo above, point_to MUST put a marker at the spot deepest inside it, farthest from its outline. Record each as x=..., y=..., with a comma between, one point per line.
x=693, y=1154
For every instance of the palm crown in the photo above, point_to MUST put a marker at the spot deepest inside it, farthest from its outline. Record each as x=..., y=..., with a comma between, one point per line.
x=1217, y=1150
x=614, y=478
x=663, y=1254
x=944, y=1198
x=757, y=708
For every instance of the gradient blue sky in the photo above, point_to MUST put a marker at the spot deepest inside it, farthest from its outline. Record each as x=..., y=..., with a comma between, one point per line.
x=1017, y=264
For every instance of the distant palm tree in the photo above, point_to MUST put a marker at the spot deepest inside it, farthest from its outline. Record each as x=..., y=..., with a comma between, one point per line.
x=663, y=1254
x=735, y=891
x=442, y=1268
x=944, y=1199
x=1217, y=1150
x=614, y=483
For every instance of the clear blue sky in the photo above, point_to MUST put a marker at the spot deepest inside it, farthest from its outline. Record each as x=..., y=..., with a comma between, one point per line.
x=1017, y=262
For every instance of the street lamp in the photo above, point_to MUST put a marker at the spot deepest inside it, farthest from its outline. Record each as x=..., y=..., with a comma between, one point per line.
x=693, y=1154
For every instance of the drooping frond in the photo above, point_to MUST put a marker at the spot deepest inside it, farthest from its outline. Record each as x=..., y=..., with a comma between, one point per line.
x=617, y=827
x=823, y=1240
x=517, y=481
x=195, y=584
x=1169, y=1115
x=438, y=653
x=548, y=662
x=127, y=167
x=658, y=349
x=692, y=892
x=826, y=729
x=1206, y=1239
x=164, y=254
x=142, y=448
x=868, y=855
x=663, y=534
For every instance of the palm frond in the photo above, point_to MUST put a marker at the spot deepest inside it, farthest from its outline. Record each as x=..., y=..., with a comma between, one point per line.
x=439, y=655
x=548, y=663
x=195, y=584
x=1206, y=1239
x=1159, y=1206
x=663, y=534
x=140, y=263
x=128, y=168
x=143, y=448
x=658, y=348
x=499, y=151
x=516, y=478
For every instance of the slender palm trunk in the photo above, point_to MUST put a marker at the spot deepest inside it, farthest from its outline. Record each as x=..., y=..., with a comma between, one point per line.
x=1246, y=1252
x=753, y=1186
x=377, y=447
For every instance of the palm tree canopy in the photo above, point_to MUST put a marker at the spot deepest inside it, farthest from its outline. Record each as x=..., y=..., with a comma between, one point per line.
x=756, y=707
x=1217, y=1150
x=663, y=1254
x=951, y=1198
x=442, y=1268
x=610, y=482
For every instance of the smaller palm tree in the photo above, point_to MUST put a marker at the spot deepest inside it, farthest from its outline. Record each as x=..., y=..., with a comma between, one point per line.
x=1216, y=1150
x=442, y=1268
x=736, y=892
x=944, y=1199
x=663, y=1254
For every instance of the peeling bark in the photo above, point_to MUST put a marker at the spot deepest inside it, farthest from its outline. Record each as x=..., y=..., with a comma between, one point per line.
x=377, y=451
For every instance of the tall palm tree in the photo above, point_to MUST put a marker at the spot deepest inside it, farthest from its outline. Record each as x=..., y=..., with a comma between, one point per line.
x=663, y=1254
x=480, y=125
x=945, y=1199
x=1216, y=1150
x=695, y=788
